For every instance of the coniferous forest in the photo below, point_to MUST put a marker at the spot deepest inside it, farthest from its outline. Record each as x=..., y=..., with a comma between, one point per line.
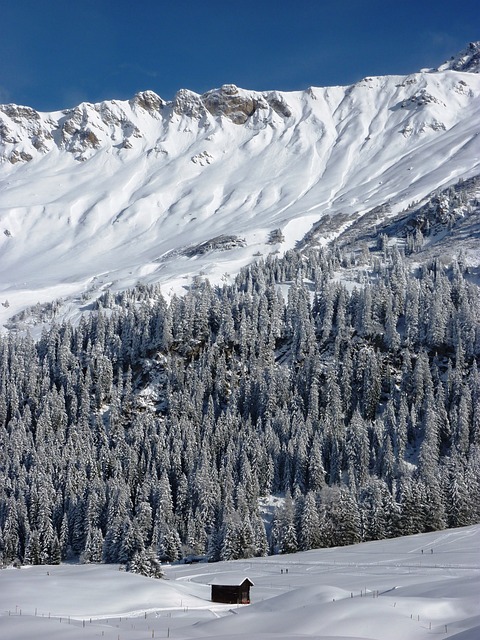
x=152, y=429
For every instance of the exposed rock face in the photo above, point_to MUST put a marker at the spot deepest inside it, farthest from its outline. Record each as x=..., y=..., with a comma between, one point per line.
x=18, y=113
x=219, y=243
x=19, y=156
x=148, y=100
x=278, y=104
x=421, y=99
x=81, y=131
x=77, y=129
x=228, y=101
x=467, y=60
x=87, y=127
x=22, y=132
x=471, y=60
x=188, y=103
x=6, y=134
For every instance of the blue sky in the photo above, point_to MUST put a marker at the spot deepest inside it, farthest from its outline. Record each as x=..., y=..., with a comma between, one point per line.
x=55, y=54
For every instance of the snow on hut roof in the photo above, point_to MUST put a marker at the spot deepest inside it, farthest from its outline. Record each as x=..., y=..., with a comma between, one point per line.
x=230, y=579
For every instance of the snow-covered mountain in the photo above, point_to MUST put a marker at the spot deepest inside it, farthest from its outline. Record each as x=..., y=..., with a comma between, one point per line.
x=119, y=192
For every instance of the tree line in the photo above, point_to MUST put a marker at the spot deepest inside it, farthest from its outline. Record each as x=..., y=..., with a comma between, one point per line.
x=151, y=430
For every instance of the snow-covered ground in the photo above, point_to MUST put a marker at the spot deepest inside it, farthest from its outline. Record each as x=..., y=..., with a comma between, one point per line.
x=410, y=588
x=108, y=195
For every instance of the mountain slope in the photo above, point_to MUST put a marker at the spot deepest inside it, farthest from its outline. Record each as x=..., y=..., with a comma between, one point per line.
x=110, y=194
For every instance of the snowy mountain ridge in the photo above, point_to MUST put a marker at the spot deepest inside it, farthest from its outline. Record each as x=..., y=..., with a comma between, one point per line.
x=466, y=60
x=27, y=134
x=110, y=194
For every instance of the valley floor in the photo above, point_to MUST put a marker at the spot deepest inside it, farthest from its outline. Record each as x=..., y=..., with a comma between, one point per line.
x=416, y=587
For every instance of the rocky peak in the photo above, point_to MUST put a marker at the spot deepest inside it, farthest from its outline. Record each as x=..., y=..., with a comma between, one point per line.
x=148, y=100
x=18, y=113
x=22, y=132
x=278, y=104
x=232, y=103
x=466, y=60
x=188, y=103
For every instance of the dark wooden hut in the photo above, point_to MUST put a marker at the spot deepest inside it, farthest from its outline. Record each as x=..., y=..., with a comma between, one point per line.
x=231, y=590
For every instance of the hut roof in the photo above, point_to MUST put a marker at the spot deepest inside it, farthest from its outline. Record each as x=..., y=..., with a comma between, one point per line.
x=230, y=579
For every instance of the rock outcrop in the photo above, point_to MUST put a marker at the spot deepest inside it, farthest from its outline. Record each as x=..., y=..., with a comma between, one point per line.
x=119, y=126
x=467, y=60
x=232, y=103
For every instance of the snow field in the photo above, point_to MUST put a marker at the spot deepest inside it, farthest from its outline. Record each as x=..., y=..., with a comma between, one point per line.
x=377, y=590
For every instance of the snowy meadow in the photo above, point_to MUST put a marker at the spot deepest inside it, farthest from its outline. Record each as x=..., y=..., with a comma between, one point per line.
x=415, y=587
